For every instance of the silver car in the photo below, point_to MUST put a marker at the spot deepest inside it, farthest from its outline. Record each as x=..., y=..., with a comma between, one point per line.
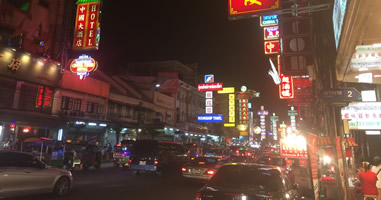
x=23, y=174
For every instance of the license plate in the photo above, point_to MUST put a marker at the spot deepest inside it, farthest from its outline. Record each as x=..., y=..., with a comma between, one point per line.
x=142, y=162
x=196, y=171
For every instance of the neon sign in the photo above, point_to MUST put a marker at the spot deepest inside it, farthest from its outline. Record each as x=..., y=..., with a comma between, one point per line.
x=209, y=87
x=242, y=7
x=83, y=65
x=271, y=33
x=269, y=20
x=272, y=47
x=286, y=87
x=231, y=108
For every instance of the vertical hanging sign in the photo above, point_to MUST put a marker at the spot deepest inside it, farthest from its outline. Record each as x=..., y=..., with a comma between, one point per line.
x=87, y=26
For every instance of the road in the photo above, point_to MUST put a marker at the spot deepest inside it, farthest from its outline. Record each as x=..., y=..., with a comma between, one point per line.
x=116, y=183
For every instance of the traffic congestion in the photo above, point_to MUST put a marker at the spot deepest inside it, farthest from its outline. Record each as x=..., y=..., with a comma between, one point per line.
x=223, y=171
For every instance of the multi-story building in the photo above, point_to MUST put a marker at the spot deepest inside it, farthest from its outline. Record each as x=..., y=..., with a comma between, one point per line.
x=29, y=71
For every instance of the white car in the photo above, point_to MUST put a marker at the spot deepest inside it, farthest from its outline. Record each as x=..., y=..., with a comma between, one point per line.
x=23, y=174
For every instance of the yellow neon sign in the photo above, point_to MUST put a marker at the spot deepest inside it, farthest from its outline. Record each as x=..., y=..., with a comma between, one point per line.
x=232, y=108
x=229, y=125
x=226, y=90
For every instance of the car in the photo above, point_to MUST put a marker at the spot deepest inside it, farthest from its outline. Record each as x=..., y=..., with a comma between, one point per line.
x=248, y=181
x=23, y=174
x=240, y=159
x=156, y=156
x=202, y=168
x=275, y=159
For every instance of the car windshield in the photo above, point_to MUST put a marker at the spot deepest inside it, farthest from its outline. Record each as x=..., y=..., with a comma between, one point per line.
x=247, y=177
x=205, y=160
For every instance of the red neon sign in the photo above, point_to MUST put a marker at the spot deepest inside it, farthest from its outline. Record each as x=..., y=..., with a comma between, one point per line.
x=243, y=7
x=271, y=33
x=286, y=87
x=272, y=47
x=86, y=32
x=209, y=87
x=83, y=65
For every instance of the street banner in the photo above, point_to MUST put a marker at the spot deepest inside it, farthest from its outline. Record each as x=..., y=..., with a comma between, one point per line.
x=341, y=165
x=312, y=145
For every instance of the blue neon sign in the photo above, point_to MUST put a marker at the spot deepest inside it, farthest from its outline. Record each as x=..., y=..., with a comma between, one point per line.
x=210, y=118
x=269, y=20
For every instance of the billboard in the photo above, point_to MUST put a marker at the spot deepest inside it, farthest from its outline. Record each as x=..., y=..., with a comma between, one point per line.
x=209, y=87
x=168, y=81
x=87, y=26
x=250, y=7
x=210, y=118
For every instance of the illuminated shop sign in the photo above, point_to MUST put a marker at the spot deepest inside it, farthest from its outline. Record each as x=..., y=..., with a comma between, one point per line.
x=226, y=90
x=243, y=7
x=272, y=47
x=83, y=65
x=243, y=111
x=262, y=121
x=210, y=118
x=363, y=115
x=87, y=26
x=294, y=147
x=44, y=97
x=271, y=33
x=209, y=78
x=339, y=9
x=286, y=87
x=366, y=57
x=231, y=108
x=209, y=87
x=269, y=20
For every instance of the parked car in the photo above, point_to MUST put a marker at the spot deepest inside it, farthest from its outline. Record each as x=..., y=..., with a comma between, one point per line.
x=248, y=181
x=202, y=168
x=23, y=174
x=156, y=156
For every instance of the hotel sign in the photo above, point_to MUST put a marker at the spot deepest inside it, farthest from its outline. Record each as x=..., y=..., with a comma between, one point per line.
x=87, y=26
x=210, y=118
x=247, y=7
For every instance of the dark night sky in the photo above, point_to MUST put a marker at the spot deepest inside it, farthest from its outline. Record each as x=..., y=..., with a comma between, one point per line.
x=196, y=31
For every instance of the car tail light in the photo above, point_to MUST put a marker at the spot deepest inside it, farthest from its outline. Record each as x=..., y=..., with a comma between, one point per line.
x=184, y=169
x=242, y=196
x=210, y=172
x=130, y=161
x=248, y=154
x=155, y=162
x=198, y=196
x=237, y=151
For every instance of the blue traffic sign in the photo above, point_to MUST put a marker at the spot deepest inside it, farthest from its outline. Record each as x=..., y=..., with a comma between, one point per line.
x=210, y=118
x=341, y=94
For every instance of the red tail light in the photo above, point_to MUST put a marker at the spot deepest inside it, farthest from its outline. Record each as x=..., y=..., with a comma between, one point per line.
x=210, y=172
x=155, y=162
x=198, y=196
x=130, y=161
x=237, y=151
x=184, y=169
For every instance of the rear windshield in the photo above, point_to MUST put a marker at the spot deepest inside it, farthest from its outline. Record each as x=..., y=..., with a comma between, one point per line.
x=246, y=177
x=271, y=161
x=144, y=146
x=206, y=160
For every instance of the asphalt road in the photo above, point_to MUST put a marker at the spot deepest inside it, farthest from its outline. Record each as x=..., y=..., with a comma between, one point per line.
x=116, y=183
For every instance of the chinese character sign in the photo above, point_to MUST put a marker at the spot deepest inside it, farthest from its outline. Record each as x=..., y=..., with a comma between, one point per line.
x=243, y=7
x=262, y=115
x=231, y=108
x=286, y=87
x=87, y=27
x=271, y=33
x=243, y=111
x=272, y=47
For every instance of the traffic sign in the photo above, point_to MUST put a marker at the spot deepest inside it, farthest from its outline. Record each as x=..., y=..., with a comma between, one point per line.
x=341, y=94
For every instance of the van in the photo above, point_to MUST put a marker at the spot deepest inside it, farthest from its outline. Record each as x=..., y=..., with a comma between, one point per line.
x=156, y=156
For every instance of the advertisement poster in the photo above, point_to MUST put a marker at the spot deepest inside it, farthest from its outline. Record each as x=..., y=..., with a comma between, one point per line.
x=312, y=144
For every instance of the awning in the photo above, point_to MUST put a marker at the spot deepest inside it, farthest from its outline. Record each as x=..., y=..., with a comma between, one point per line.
x=324, y=141
x=350, y=142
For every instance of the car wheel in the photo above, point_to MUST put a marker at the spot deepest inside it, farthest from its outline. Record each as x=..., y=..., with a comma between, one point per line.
x=62, y=186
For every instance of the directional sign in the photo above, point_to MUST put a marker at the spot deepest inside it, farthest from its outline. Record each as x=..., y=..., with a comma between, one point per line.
x=341, y=94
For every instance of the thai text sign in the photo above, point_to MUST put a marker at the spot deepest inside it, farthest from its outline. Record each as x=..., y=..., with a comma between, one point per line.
x=209, y=87
x=226, y=90
x=363, y=116
x=210, y=118
x=86, y=31
x=243, y=7
x=269, y=20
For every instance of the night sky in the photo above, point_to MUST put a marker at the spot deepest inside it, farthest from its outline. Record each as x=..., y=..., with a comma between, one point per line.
x=196, y=31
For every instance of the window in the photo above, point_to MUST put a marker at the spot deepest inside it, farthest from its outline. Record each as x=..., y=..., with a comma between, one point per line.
x=111, y=108
x=128, y=112
x=91, y=107
x=100, y=109
x=14, y=159
x=67, y=103
x=77, y=104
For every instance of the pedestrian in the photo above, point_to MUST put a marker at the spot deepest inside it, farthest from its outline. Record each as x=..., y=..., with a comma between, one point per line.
x=368, y=182
x=376, y=168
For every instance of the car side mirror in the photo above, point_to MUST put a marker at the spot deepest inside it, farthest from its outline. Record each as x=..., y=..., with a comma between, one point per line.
x=295, y=186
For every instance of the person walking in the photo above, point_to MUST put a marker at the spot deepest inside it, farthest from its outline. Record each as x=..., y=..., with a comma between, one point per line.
x=376, y=168
x=368, y=182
